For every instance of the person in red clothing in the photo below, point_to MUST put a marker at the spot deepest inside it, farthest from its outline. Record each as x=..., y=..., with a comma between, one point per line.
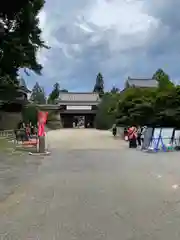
x=132, y=136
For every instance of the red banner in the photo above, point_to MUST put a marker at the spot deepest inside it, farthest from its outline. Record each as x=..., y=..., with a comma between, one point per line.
x=42, y=119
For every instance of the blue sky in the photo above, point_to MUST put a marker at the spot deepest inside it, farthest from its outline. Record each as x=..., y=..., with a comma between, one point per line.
x=119, y=38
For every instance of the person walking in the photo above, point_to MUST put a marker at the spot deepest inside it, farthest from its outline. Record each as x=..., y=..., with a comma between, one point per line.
x=114, y=130
x=139, y=136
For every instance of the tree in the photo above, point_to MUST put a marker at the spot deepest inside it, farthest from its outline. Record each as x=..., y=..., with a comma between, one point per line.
x=30, y=114
x=106, y=115
x=54, y=95
x=20, y=38
x=163, y=80
x=99, y=85
x=114, y=89
x=142, y=106
x=38, y=94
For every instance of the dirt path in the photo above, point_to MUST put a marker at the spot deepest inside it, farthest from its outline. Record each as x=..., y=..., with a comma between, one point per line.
x=93, y=187
x=83, y=139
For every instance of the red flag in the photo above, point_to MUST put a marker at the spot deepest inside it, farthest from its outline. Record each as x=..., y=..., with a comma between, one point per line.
x=42, y=118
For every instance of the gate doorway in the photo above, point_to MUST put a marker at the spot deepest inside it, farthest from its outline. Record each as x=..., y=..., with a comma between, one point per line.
x=78, y=121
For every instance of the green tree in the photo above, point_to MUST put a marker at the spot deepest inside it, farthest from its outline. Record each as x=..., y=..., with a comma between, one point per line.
x=38, y=94
x=99, y=85
x=114, y=89
x=20, y=38
x=54, y=95
x=106, y=115
x=150, y=106
x=163, y=80
x=30, y=114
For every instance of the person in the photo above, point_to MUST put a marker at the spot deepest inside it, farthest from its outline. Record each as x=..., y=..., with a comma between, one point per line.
x=139, y=136
x=24, y=125
x=28, y=132
x=114, y=130
x=132, y=136
x=125, y=134
x=143, y=131
x=35, y=130
x=31, y=129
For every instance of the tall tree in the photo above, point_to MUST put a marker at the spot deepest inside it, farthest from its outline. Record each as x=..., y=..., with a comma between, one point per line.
x=38, y=94
x=20, y=38
x=99, y=85
x=54, y=94
x=114, y=89
x=163, y=79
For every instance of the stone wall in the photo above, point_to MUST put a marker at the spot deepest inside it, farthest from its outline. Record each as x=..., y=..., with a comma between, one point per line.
x=9, y=120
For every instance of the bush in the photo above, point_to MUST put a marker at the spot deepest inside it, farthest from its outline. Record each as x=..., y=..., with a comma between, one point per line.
x=30, y=114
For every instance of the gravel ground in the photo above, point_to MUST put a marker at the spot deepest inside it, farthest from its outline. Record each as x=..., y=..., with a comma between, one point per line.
x=94, y=187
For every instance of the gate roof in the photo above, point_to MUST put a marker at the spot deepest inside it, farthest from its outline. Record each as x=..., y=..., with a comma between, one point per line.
x=78, y=97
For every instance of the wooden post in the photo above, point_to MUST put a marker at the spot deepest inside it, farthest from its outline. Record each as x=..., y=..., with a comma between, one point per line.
x=42, y=144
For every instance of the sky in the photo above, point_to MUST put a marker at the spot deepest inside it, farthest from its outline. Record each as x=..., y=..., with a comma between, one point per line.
x=118, y=38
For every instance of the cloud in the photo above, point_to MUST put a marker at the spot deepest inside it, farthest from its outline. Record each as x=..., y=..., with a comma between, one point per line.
x=120, y=38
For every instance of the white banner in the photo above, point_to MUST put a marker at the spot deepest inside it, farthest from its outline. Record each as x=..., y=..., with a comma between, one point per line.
x=78, y=107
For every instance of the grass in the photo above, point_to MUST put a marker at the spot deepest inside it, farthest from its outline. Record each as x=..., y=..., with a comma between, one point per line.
x=8, y=148
x=5, y=145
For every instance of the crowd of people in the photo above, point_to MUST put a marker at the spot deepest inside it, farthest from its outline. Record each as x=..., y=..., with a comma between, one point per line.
x=25, y=131
x=135, y=135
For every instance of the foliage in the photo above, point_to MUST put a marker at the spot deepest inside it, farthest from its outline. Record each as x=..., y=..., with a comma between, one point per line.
x=54, y=95
x=163, y=80
x=142, y=106
x=38, y=94
x=150, y=107
x=30, y=114
x=20, y=38
x=106, y=116
x=99, y=85
x=114, y=89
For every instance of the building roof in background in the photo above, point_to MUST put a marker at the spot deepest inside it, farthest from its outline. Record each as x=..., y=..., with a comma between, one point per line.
x=142, y=82
x=78, y=97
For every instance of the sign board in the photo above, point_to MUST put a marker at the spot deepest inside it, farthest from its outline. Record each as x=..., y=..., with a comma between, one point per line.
x=157, y=132
x=167, y=134
x=155, y=138
x=147, y=138
x=78, y=107
x=177, y=137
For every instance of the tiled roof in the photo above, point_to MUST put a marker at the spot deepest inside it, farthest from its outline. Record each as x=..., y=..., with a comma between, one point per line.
x=79, y=97
x=142, y=82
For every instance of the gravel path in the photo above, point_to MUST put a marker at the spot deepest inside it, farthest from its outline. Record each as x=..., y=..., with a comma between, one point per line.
x=83, y=139
x=93, y=187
